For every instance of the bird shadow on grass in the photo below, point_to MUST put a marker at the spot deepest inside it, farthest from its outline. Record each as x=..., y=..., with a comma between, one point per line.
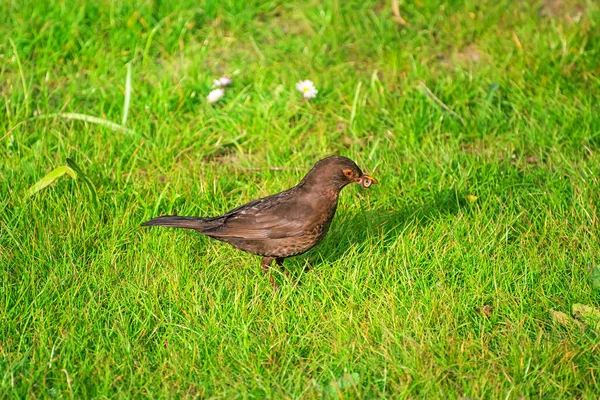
x=358, y=229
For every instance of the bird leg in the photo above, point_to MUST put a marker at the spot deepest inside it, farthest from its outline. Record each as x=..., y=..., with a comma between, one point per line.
x=265, y=264
x=308, y=267
x=279, y=261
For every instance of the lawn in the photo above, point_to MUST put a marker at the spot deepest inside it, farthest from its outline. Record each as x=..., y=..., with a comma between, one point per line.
x=472, y=270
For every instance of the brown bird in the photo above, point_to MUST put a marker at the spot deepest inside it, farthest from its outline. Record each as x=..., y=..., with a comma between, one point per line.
x=284, y=224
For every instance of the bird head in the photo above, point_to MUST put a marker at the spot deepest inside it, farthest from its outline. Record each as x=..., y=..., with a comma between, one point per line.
x=337, y=171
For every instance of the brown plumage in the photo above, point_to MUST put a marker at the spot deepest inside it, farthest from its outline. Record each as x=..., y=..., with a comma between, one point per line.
x=284, y=224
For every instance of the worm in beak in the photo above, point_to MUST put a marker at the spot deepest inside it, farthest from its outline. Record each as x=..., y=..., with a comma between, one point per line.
x=366, y=181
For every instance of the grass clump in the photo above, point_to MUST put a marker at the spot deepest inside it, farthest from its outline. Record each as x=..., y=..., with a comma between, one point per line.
x=480, y=120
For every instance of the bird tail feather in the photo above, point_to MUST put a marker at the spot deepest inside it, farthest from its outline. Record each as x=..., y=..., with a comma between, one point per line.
x=196, y=223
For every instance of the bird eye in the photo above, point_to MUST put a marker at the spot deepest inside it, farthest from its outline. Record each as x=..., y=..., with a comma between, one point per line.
x=348, y=172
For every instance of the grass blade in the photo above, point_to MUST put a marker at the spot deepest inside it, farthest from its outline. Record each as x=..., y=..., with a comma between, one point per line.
x=71, y=163
x=596, y=278
x=127, y=94
x=75, y=116
x=49, y=178
x=87, y=118
x=22, y=75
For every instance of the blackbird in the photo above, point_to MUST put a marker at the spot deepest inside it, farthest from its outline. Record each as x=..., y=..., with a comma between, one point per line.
x=284, y=224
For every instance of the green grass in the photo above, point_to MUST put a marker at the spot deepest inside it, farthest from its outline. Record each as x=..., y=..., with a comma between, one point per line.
x=92, y=305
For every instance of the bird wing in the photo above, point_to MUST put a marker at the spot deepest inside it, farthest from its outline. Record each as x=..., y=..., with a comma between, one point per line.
x=272, y=217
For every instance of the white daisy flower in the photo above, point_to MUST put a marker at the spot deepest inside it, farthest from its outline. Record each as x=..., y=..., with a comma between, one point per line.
x=222, y=81
x=215, y=95
x=307, y=88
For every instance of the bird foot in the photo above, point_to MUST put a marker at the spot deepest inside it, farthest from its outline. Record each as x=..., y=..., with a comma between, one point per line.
x=287, y=274
x=266, y=265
